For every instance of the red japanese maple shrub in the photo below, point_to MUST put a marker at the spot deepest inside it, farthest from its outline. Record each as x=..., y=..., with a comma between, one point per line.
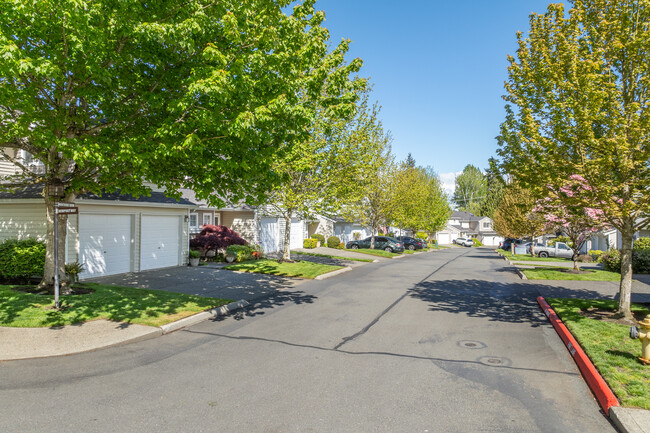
x=216, y=238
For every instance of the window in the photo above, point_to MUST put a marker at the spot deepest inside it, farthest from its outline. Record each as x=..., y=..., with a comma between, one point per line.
x=194, y=221
x=207, y=218
x=486, y=224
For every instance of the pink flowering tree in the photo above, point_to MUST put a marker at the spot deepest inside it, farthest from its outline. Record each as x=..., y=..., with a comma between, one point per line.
x=577, y=222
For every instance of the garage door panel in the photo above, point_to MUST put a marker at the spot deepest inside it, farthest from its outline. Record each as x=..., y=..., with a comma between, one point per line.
x=297, y=235
x=159, y=241
x=269, y=234
x=105, y=244
x=444, y=239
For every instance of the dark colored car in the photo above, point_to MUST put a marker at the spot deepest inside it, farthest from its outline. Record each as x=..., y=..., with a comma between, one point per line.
x=411, y=243
x=381, y=243
x=505, y=245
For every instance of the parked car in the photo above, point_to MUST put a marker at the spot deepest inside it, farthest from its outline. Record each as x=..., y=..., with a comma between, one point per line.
x=411, y=243
x=381, y=243
x=536, y=248
x=466, y=242
x=505, y=245
x=560, y=249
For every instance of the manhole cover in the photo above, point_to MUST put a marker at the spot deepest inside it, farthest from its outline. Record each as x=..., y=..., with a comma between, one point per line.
x=469, y=344
x=495, y=361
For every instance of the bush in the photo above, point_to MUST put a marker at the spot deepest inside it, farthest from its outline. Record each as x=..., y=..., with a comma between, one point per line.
x=356, y=235
x=565, y=239
x=641, y=261
x=641, y=244
x=584, y=258
x=421, y=235
x=320, y=238
x=241, y=252
x=477, y=243
x=21, y=259
x=309, y=243
x=195, y=254
x=612, y=260
x=333, y=242
x=216, y=238
x=596, y=254
x=73, y=270
x=341, y=246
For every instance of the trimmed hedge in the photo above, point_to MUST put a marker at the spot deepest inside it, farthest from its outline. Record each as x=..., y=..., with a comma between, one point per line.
x=333, y=242
x=21, y=259
x=640, y=261
x=309, y=243
x=319, y=237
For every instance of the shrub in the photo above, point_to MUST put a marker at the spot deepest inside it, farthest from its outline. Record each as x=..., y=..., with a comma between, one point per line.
x=216, y=238
x=341, y=246
x=309, y=243
x=478, y=243
x=584, y=258
x=612, y=260
x=333, y=242
x=241, y=252
x=421, y=235
x=356, y=235
x=21, y=259
x=641, y=261
x=565, y=239
x=195, y=254
x=642, y=244
x=320, y=238
x=73, y=270
x=596, y=254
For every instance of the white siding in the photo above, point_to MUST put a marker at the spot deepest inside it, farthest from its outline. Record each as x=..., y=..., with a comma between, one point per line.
x=21, y=221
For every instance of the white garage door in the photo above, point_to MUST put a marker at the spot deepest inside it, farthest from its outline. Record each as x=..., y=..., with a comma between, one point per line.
x=270, y=235
x=104, y=244
x=297, y=234
x=159, y=241
x=444, y=238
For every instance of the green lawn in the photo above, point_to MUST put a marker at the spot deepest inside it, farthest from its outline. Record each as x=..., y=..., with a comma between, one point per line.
x=331, y=257
x=302, y=269
x=611, y=350
x=121, y=304
x=380, y=253
x=564, y=274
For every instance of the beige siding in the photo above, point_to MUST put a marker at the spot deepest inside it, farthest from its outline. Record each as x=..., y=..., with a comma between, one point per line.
x=21, y=221
x=6, y=167
x=243, y=222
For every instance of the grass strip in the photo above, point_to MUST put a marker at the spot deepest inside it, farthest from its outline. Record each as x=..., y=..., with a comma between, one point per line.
x=544, y=273
x=302, y=269
x=528, y=258
x=609, y=347
x=121, y=304
x=332, y=257
x=380, y=253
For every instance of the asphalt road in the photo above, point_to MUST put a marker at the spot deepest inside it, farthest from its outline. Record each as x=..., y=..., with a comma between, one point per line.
x=450, y=341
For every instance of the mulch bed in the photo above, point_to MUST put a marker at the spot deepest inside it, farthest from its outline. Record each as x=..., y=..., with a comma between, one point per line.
x=610, y=315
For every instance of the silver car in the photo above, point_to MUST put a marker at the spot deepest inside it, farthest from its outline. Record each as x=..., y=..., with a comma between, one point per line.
x=466, y=242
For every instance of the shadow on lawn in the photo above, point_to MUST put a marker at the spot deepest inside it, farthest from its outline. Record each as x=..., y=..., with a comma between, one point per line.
x=495, y=301
x=112, y=303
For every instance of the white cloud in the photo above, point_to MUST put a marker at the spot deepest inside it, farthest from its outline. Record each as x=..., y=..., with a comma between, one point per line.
x=448, y=181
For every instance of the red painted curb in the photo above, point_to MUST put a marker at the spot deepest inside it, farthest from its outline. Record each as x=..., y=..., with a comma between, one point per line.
x=596, y=383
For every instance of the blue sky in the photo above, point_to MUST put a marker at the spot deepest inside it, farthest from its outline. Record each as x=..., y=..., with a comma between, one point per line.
x=438, y=69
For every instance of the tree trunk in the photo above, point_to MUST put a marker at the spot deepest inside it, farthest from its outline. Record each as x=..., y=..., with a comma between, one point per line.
x=625, y=289
x=48, y=271
x=286, y=252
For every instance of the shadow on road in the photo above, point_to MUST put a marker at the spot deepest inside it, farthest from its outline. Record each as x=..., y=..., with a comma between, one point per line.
x=275, y=299
x=499, y=302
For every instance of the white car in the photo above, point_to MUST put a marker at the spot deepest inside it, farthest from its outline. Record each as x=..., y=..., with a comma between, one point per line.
x=466, y=242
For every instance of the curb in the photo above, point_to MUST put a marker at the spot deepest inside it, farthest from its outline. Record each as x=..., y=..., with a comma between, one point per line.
x=521, y=274
x=200, y=317
x=597, y=384
x=629, y=420
x=332, y=274
x=399, y=257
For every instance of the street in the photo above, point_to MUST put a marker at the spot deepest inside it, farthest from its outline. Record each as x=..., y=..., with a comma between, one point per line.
x=449, y=341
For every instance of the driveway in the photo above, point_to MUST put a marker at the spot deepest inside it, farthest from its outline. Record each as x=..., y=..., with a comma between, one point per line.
x=206, y=281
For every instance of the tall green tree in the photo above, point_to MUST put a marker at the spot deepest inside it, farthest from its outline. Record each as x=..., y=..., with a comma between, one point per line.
x=375, y=204
x=495, y=189
x=579, y=104
x=329, y=170
x=436, y=210
x=201, y=94
x=471, y=189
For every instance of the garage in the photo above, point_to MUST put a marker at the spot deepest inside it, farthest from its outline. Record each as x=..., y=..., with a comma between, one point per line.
x=105, y=244
x=270, y=235
x=159, y=241
x=297, y=233
x=444, y=238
